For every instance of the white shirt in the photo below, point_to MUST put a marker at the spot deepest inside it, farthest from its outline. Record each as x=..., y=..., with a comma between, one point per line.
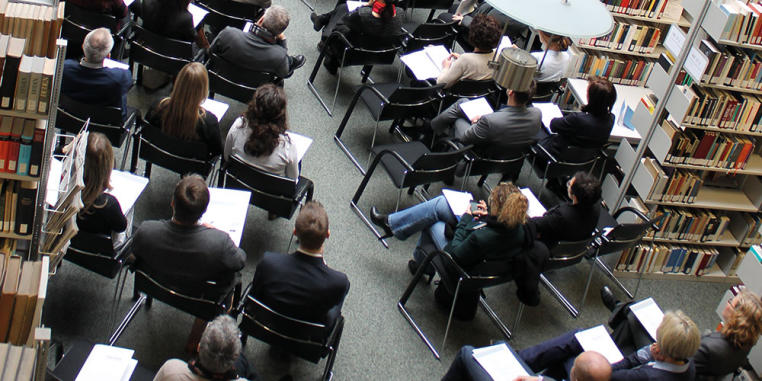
x=554, y=66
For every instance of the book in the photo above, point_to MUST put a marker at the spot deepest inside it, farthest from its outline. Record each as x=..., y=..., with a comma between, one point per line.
x=35, y=82
x=25, y=207
x=12, y=363
x=46, y=83
x=25, y=148
x=21, y=319
x=10, y=72
x=21, y=94
x=426, y=63
x=14, y=145
x=9, y=290
x=35, y=155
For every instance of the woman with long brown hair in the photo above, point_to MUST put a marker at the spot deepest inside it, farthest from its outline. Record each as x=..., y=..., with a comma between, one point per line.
x=259, y=135
x=102, y=212
x=181, y=116
x=553, y=62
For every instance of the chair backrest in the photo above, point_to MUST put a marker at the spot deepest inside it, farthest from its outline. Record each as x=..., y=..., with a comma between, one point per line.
x=573, y=159
x=104, y=119
x=75, y=34
x=360, y=55
x=509, y=165
x=94, y=252
x=447, y=268
x=434, y=166
x=274, y=193
x=176, y=155
x=434, y=33
x=245, y=11
x=305, y=339
x=90, y=19
x=196, y=306
x=429, y=4
x=218, y=19
x=409, y=102
x=626, y=234
x=234, y=82
x=567, y=253
x=161, y=53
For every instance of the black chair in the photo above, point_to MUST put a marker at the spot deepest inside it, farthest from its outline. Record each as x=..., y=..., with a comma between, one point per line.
x=509, y=166
x=276, y=194
x=566, y=164
x=188, y=299
x=179, y=156
x=409, y=165
x=234, y=82
x=229, y=13
x=429, y=33
x=390, y=101
x=308, y=340
x=92, y=20
x=161, y=53
x=428, y=4
x=454, y=278
x=107, y=120
x=351, y=55
x=565, y=254
x=471, y=89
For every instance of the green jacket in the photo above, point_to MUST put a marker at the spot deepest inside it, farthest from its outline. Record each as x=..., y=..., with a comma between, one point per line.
x=475, y=241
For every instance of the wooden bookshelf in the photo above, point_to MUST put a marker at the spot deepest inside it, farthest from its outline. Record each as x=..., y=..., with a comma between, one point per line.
x=727, y=240
x=682, y=22
x=740, y=45
x=715, y=274
x=753, y=167
x=27, y=237
x=656, y=53
x=722, y=130
x=25, y=115
x=715, y=198
x=731, y=88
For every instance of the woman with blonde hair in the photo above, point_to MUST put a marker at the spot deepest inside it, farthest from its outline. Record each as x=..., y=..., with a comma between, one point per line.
x=102, y=213
x=181, y=116
x=553, y=61
x=483, y=236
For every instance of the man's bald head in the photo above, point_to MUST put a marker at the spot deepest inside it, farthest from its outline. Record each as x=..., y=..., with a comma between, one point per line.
x=591, y=366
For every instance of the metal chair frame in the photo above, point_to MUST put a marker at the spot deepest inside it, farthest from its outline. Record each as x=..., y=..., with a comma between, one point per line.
x=144, y=42
x=552, y=160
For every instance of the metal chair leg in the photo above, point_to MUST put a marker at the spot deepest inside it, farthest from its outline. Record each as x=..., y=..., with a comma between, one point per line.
x=495, y=319
x=288, y=249
x=452, y=311
x=127, y=319
x=589, y=280
x=372, y=143
x=406, y=295
x=519, y=312
x=126, y=151
x=559, y=296
x=607, y=271
x=399, y=196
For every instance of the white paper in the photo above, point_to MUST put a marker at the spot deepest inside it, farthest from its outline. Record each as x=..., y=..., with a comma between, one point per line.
x=227, y=211
x=459, y=201
x=675, y=40
x=108, y=62
x=649, y=314
x=301, y=142
x=421, y=65
x=54, y=180
x=505, y=42
x=130, y=368
x=598, y=339
x=549, y=111
x=105, y=363
x=476, y=108
x=126, y=188
x=535, y=208
x=215, y=107
x=695, y=64
x=437, y=54
x=127, y=3
x=352, y=5
x=499, y=362
x=247, y=27
x=198, y=14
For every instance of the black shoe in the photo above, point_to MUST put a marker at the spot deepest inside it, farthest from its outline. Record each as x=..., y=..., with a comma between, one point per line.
x=412, y=266
x=382, y=221
x=608, y=298
x=297, y=62
x=315, y=24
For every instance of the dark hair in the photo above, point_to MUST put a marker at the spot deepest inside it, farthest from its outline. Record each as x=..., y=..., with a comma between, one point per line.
x=586, y=188
x=601, y=96
x=266, y=117
x=484, y=32
x=190, y=199
x=311, y=225
x=387, y=13
x=523, y=97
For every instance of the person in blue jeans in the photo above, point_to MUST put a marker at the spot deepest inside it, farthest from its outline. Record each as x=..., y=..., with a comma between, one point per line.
x=480, y=239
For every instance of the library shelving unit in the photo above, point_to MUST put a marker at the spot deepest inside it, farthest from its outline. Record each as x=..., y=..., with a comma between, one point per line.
x=711, y=195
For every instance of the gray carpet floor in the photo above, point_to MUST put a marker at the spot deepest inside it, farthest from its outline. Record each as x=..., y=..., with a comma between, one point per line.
x=377, y=342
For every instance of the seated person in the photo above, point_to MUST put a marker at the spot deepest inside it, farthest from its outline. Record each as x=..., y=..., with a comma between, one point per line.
x=668, y=359
x=183, y=253
x=720, y=353
x=181, y=116
x=464, y=12
x=480, y=238
x=588, y=366
x=88, y=81
x=301, y=285
x=170, y=18
x=484, y=34
x=589, y=128
x=259, y=135
x=494, y=134
x=220, y=357
x=554, y=61
x=116, y=8
x=376, y=26
x=263, y=48
x=101, y=213
x=575, y=221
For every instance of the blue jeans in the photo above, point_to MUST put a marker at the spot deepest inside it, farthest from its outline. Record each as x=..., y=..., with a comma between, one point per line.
x=429, y=218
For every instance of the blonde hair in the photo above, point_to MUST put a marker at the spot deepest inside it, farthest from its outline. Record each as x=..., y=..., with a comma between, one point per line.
x=508, y=204
x=677, y=336
x=181, y=111
x=99, y=160
x=744, y=325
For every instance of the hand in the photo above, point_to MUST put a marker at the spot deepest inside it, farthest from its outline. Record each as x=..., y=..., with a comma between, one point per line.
x=281, y=37
x=526, y=378
x=481, y=209
x=201, y=39
x=447, y=62
x=475, y=119
x=457, y=18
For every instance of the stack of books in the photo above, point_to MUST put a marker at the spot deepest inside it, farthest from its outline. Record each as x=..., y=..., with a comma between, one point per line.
x=618, y=68
x=24, y=285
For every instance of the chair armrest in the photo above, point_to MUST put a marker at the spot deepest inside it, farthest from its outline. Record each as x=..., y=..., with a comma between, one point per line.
x=338, y=36
x=449, y=142
x=396, y=156
x=448, y=257
x=244, y=295
x=538, y=148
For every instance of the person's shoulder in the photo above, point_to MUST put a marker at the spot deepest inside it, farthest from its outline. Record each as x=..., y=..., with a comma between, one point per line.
x=71, y=63
x=173, y=370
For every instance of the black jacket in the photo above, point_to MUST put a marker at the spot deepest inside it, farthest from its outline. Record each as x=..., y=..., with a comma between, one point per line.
x=566, y=222
x=579, y=129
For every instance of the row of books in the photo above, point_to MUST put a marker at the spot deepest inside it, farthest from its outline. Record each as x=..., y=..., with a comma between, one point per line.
x=21, y=143
x=671, y=184
x=743, y=24
x=656, y=9
x=24, y=284
x=746, y=228
x=39, y=24
x=691, y=225
x=17, y=203
x=685, y=259
x=627, y=37
x=708, y=148
x=25, y=81
x=723, y=109
x=617, y=68
x=16, y=362
x=731, y=66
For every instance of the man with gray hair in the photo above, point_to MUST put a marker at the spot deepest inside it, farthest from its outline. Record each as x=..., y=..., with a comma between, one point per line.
x=89, y=81
x=260, y=48
x=219, y=357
